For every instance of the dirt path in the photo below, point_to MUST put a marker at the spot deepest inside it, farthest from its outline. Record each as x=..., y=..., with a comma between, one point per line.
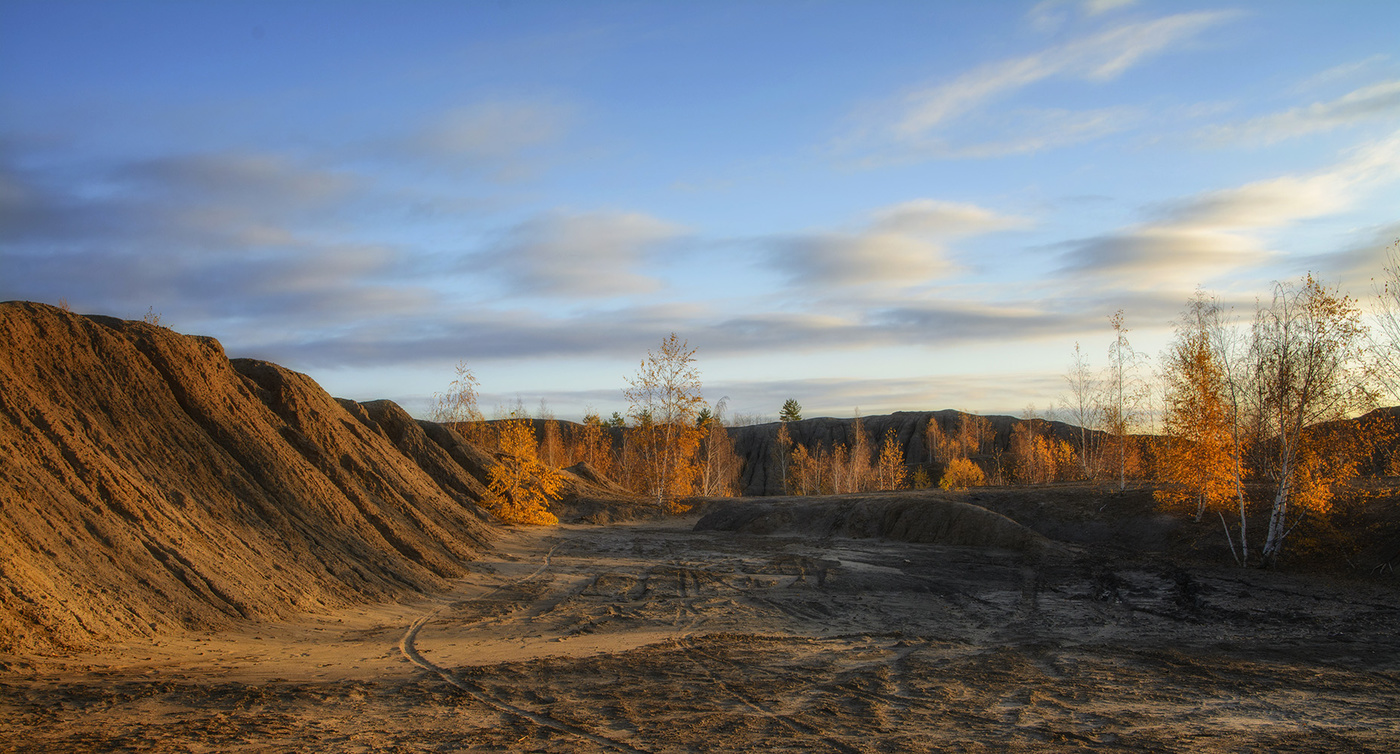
x=408, y=646
x=651, y=637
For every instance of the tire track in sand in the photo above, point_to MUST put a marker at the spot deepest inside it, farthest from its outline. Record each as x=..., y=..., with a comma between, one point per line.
x=796, y=726
x=408, y=646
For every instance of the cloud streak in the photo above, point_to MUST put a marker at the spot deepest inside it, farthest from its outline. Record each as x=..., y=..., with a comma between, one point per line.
x=1200, y=237
x=578, y=255
x=224, y=235
x=902, y=244
x=1379, y=100
x=495, y=136
x=924, y=122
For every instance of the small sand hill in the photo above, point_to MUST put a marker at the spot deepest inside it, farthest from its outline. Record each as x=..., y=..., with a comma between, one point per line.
x=925, y=518
x=589, y=497
x=148, y=483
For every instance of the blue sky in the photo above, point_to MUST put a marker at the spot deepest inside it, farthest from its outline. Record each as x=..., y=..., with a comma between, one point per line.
x=890, y=206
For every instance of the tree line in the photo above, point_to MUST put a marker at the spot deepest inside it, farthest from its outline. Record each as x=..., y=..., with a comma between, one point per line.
x=1263, y=414
x=1250, y=409
x=671, y=445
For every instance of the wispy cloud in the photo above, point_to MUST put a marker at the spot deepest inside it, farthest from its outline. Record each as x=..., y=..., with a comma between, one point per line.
x=500, y=334
x=1050, y=15
x=1286, y=199
x=920, y=122
x=225, y=235
x=937, y=218
x=1380, y=100
x=1358, y=268
x=1031, y=130
x=498, y=137
x=583, y=255
x=1197, y=238
x=1340, y=72
x=901, y=244
x=251, y=180
x=859, y=258
x=999, y=393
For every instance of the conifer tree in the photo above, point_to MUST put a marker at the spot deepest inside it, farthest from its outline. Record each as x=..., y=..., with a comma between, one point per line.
x=792, y=411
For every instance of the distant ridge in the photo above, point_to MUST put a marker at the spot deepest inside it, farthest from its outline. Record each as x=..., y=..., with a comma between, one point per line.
x=755, y=444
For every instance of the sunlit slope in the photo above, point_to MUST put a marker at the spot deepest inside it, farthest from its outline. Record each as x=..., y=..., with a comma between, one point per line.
x=147, y=482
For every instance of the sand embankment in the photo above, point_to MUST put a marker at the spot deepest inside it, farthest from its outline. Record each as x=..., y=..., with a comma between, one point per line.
x=149, y=483
x=902, y=518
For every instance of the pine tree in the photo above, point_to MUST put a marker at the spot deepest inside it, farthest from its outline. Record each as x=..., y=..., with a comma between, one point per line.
x=791, y=412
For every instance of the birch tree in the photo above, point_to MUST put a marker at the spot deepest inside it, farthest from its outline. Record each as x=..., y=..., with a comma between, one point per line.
x=889, y=467
x=719, y=465
x=1082, y=409
x=664, y=397
x=1385, y=339
x=520, y=485
x=594, y=445
x=1123, y=396
x=782, y=449
x=1307, y=354
x=1200, y=459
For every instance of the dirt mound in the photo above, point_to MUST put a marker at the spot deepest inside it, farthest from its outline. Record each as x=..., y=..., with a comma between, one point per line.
x=148, y=483
x=909, y=517
x=590, y=497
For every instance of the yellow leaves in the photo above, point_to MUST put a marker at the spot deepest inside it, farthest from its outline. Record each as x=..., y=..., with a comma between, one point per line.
x=1198, y=459
x=1326, y=457
x=889, y=468
x=664, y=397
x=805, y=475
x=667, y=454
x=961, y=474
x=971, y=437
x=595, y=447
x=1038, y=458
x=719, y=465
x=520, y=486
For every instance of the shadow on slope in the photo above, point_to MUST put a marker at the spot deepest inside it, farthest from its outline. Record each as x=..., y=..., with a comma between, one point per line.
x=925, y=518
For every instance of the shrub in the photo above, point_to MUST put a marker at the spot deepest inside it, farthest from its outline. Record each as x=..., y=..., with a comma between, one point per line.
x=961, y=474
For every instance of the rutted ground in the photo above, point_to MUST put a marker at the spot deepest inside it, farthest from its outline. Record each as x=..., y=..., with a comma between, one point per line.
x=653, y=637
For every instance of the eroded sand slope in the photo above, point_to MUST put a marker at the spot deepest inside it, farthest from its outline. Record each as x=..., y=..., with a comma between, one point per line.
x=150, y=484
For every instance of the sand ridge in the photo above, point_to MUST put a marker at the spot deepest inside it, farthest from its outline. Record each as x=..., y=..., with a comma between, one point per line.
x=150, y=485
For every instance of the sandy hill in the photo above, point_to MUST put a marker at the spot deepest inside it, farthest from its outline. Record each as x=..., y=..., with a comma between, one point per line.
x=147, y=482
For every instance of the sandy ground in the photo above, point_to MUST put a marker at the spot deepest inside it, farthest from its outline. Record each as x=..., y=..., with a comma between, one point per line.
x=652, y=637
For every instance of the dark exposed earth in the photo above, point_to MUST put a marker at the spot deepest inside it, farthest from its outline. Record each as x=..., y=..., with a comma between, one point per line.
x=654, y=636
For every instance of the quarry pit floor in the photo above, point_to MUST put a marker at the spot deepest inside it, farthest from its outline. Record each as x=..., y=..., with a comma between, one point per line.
x=653, y=637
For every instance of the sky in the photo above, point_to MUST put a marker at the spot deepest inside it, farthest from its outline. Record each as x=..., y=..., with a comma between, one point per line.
x=869, y=206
